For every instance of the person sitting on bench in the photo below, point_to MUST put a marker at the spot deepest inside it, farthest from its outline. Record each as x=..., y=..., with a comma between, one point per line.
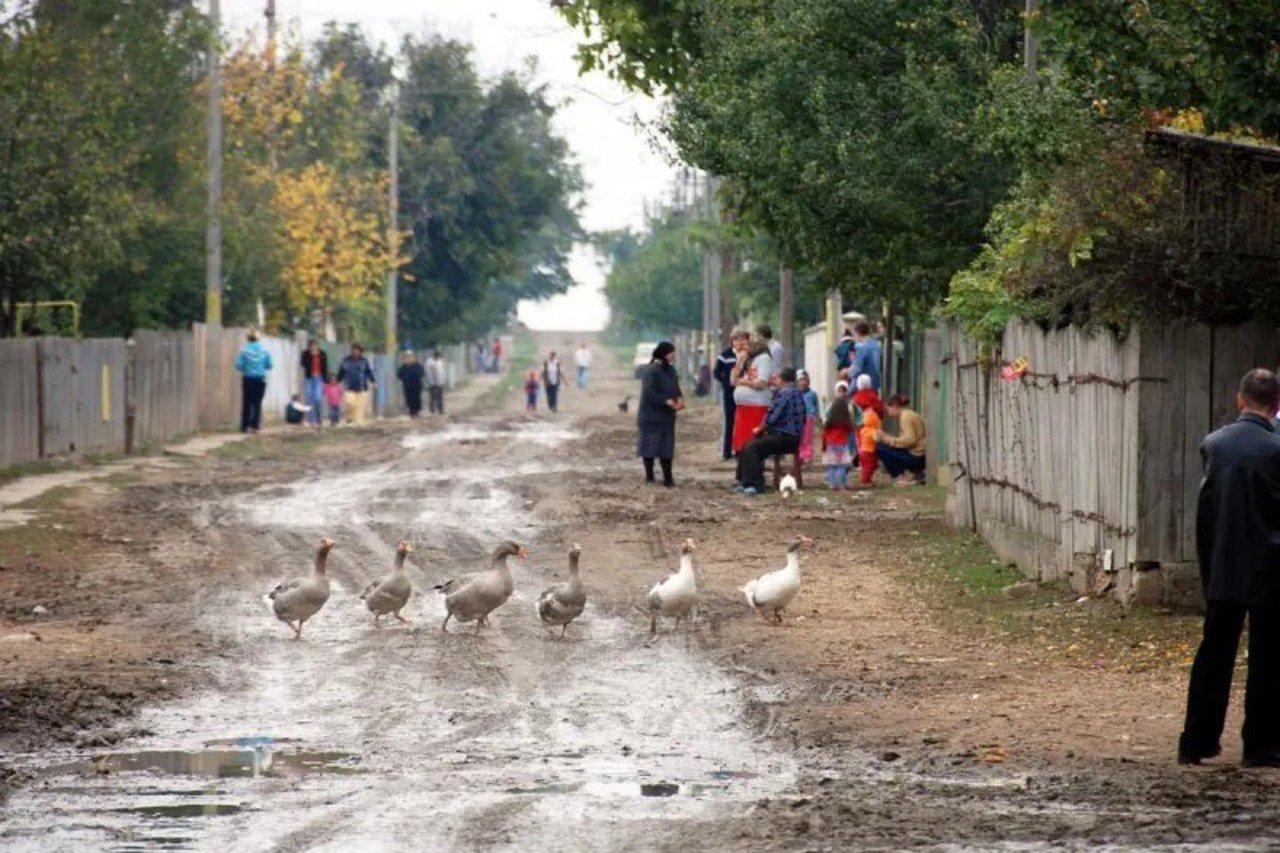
x=778, y=435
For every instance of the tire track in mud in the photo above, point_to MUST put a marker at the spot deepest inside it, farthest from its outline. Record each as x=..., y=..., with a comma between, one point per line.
x=505, y=739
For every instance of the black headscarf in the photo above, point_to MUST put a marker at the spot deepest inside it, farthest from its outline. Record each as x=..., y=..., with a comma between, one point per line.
x=662, y=350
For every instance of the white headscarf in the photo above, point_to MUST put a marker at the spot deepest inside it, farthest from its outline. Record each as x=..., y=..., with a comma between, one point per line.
x=864, y=382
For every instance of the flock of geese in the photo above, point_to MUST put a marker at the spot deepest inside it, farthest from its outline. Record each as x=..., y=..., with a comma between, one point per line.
x=472, y=598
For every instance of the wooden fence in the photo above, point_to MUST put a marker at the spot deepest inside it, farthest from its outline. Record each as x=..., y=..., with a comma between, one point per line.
x=61, y=397
x=1087, y=466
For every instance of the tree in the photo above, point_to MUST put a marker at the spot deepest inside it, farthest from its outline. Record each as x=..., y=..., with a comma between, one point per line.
x=489, y=192
x=655, y=278
x=1222, y=59
x=93, y=97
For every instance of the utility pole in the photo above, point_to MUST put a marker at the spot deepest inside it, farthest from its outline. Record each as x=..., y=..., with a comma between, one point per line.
x=787, y=305
x=270, y=15
x=1029, y=39
x=213, y=229
x=393, y=216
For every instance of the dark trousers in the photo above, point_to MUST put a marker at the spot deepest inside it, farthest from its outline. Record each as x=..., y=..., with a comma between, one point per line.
x=730, y=408
x=252, y=391
x=667, y=479
x=436, y=399
x=1210, y=688
x=553, y=395
x=899, y=460
x=413, y=398
x=752, y=456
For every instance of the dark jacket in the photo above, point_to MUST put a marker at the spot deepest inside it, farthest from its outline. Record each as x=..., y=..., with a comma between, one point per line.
x=659, y=384
x=306, y=364
x=724, y=370
x=355, y=374
x=1238, y=514
x=411, y=375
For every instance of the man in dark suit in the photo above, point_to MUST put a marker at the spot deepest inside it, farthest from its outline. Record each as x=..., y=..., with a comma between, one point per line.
x=1238, y=544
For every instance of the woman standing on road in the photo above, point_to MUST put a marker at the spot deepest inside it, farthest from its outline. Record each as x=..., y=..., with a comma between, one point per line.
x=315, y=367
x=660, y=399
x=410, y=375
x=751, y=393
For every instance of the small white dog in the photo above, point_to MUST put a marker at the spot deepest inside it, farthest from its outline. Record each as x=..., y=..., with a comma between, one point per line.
x=787, y=486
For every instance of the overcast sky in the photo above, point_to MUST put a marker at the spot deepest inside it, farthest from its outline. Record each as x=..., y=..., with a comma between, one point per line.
x=617, y=159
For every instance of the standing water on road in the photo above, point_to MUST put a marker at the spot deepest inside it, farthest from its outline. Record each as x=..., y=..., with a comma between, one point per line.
x=407, y=738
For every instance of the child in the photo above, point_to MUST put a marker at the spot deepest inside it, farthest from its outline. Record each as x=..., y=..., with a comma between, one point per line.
x=836, y=426
x=810, y=416
x=296, y=411
x=864, y=397
x=333, y=398
x=531, y=391
x=868, y=401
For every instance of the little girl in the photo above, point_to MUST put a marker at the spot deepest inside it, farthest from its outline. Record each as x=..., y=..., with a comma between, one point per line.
x=333, y=398
x=836, y=426
x=810, y=416
x=531, y=391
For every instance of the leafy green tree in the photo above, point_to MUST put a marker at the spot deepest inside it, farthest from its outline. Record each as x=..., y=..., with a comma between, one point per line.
x=1222, y=59
x=489, y=192
x=94, y=97
x=655, y=279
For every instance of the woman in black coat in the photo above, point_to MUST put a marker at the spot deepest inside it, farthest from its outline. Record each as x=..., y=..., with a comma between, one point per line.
x=660, y=399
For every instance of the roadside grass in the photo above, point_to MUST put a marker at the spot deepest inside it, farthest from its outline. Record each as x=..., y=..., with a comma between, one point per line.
x=32, y=469
x=49, y=500
x=973, y=593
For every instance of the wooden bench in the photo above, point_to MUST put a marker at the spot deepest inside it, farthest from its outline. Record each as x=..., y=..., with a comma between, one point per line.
x=797, y=470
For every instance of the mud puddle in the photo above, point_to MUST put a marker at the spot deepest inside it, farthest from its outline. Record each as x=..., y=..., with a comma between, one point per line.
x=408, y=738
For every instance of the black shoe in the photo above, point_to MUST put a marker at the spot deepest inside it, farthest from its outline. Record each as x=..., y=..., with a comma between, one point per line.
x=670, y=484
x=1185, y=757
x=1270, y=758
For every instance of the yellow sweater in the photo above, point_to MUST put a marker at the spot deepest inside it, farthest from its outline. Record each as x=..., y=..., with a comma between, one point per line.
x=910, y=433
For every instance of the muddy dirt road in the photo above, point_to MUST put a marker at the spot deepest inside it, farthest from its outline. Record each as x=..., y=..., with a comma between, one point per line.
x=864, y=722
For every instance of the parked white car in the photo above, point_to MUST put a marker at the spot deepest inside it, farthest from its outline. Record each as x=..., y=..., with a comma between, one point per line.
x=644, y=355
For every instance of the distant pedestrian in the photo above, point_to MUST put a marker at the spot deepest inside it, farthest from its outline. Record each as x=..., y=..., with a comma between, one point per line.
x=867, y=355
x=437, y=379
x=810, y=415
x=356, y=376
x=776, y=352
x=410, y=375
x=725, y=365
x=333, y=398
x=1237, y=536
x=315, y=367
x=495, y=363
x=844, y=351
x=253, y=363
x=836, y=427
x=582, y=360
x=660, y=399
x=551, y=377
x=531, y=391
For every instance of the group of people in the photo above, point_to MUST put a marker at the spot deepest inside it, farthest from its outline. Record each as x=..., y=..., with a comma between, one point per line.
x=770, y=410
x=489, y=356
x=550, y=378
x=344, y=393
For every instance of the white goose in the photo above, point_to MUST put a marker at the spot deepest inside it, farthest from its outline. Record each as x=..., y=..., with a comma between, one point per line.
x=775, y=590
x=677, y=594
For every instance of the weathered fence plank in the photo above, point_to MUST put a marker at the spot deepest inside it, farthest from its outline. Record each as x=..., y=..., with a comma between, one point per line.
x=19, y=402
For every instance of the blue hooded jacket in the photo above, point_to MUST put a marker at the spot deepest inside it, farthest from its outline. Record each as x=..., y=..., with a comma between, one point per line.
x=253, y=361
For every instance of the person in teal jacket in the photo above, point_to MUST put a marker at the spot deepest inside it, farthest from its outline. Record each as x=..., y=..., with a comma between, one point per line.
x=253, y=363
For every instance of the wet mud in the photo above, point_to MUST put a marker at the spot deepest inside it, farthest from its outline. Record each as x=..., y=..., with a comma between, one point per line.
x=855, y=725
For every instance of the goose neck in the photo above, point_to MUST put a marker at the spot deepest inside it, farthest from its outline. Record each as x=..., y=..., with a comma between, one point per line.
x=573, y=565
x=686, y=564
x=400, y=555
x=322, y=558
